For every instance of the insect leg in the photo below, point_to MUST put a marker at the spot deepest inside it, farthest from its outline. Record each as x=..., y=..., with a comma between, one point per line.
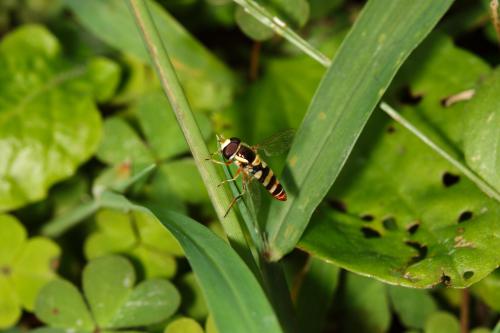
x=238, y=172
x=235, y=199
x=219, y=162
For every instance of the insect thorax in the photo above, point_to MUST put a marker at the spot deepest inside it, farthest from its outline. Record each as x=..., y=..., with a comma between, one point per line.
x=245, y=155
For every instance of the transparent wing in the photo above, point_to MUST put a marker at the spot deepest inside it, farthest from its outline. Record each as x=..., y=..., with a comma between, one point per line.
x=252, y=196
x=278, y=143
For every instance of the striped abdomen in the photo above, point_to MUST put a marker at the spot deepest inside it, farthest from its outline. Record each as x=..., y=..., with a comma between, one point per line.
x=266, y=177
x=252, y=163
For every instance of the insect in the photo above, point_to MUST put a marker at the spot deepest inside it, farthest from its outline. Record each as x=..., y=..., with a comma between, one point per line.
x=251, y=166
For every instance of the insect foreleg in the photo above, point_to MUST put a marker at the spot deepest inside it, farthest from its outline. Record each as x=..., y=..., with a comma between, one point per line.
x=219, y=162
x=238, y=172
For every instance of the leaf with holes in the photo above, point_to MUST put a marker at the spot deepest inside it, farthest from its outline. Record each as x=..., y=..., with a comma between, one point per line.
x=49, y=123
x=401, y=203
x=482, y=130
x=137, y=235
x=25, y=266
x=113, y=301
x=405, y=216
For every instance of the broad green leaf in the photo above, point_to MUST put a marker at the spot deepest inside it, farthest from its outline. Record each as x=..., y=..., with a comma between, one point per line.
x=412, y=306
x=482, y=130
x=381, y=39
x=60, y=305
x=193, y=301
x=210, y=325
x=25, y=266
x=367, y=299
x=122, y=144
x=49, y=123
x=233, y=295
x=406, y=216
x=150, y=302
x=480, y=330
x=183, y=325
x=207, y=82
x=107, y=284
x=316, y=294
x=160, y=127
x=440, y=322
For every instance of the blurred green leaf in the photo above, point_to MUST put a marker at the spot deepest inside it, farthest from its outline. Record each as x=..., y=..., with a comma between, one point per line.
x=440, y=322
x=488, y=290
x=137, y=235
x=181, y=179
x=207, y=82
x=412, y=306
x=160, y=127
x=383, y=36
x=183, y=325
x=367, y=299
x=293, y=12
x=61, y=305
x=193, y=301
x=25, y=266
x=316, y=294
x=122, y=144
x=210, y=325
x=482, y=130
x=49, y=124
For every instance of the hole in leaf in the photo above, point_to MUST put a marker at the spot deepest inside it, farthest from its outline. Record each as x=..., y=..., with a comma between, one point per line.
x=391, y=129
x=413, y=227
x=445, y=280
x=390, y=223
x=468, y=274
x=367, y=218
x=450, y=179
x=370, y=233
x=465, y=216
x=5, y=270
x=406, y=96
x=338, y=205
x=422, y=251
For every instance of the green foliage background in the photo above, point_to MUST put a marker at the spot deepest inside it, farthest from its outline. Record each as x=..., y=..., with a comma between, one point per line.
x=88, y=140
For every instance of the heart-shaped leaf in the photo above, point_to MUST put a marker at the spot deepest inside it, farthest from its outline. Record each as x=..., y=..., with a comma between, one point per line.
x=25, y=266
x=49, y=123
x=61, y=305
x=114, y=302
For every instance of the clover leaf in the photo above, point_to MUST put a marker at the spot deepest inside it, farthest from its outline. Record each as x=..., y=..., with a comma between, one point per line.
x=113, y=301
x=138, y=236
x=25, y=266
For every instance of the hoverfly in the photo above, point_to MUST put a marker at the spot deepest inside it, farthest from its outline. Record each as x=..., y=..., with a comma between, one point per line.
x=251, y=166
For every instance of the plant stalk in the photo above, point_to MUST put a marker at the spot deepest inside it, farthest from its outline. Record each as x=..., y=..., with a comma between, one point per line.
x=171, y=86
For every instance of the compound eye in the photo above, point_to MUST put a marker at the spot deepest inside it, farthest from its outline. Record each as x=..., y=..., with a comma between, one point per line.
x=230, y=149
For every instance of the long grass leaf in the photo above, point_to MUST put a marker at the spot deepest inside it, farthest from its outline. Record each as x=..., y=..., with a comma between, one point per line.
x=233, y=295
x=382, y=38
x=159, y=55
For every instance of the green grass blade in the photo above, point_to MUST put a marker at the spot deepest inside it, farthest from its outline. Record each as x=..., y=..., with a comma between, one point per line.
x=172, y=88
x=381, y=39
x=281, y=28
x=234, y=297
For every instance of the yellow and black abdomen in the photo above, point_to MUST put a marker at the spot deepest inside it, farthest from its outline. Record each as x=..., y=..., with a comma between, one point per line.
x=259, y=169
